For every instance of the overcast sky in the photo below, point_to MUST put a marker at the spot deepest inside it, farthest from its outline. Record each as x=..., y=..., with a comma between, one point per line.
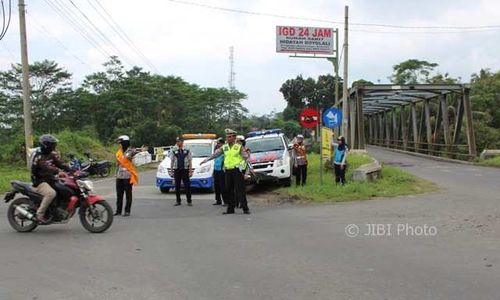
x=193, y=41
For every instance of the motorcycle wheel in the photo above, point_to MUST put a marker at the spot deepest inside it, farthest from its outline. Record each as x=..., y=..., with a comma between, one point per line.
x=17, y=220
x=105, y=172
x=97, y=217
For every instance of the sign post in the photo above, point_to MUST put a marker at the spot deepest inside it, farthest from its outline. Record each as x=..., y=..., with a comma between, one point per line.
x=320, y=130
x=311, y=42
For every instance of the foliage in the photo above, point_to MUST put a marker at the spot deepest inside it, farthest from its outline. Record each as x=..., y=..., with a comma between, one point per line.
x=152, y=109
x=12, y=172
x=361, y=82
x=412, y=71
x=76, y=142
x=485, y=96
x=492, y=162
x=80, y=142
x=300, y=93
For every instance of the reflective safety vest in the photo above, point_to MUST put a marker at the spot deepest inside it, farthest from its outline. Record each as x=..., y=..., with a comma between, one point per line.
x=232, y=156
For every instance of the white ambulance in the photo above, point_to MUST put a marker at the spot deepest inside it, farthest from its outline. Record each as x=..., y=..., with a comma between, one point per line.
x=201, y=147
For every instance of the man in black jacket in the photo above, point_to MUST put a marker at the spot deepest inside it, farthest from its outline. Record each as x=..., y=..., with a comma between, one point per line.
x=181, y=169
x=45, y=166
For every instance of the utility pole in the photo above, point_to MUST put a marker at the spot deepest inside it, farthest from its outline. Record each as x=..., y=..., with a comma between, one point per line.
x=232, y=74
x=345, y=96
x=28, y=130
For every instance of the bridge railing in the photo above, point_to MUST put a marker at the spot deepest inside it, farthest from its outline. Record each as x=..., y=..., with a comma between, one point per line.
x=456, y=151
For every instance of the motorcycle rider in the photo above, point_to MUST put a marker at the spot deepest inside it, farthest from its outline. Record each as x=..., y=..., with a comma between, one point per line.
x=45, y=165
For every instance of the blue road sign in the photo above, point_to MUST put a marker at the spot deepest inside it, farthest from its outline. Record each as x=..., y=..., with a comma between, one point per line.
x=332, y=118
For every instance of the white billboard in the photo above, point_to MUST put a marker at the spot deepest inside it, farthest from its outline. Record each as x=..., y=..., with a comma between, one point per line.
x=311, y=40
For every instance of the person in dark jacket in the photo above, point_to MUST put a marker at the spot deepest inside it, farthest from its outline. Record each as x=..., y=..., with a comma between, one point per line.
x=46, y=165
x=182, y=169
x=340, y=160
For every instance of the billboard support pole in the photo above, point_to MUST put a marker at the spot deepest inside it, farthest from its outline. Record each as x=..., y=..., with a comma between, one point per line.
x=320, y=134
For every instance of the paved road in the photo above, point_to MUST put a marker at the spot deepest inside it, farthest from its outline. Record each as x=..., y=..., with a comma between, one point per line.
x=285, y=252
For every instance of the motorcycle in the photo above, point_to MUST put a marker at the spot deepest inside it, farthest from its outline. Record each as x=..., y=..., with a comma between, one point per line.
x=101, y=168
x=96, y=215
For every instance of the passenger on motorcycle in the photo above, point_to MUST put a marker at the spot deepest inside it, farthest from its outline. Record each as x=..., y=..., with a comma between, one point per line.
x=74, y=162
x=45, y=166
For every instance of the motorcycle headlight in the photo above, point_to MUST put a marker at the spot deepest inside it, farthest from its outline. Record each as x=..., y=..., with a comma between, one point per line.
x=204, y=169
x=86, y=184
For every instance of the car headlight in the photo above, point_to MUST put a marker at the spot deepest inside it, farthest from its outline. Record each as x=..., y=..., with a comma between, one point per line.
x=162, y=170
x=86, y=184
x=279, y=162
x=204, y=169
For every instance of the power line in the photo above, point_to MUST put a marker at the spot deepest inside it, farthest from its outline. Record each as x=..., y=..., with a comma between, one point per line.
x=67, y=16
x=5, y=27
x=117, y=29
x=44, y=30
x=424, y=32
x=102, y=34
x=247, y=12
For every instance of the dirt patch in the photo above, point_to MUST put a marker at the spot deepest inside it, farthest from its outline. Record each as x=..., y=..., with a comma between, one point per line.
x=276, y=198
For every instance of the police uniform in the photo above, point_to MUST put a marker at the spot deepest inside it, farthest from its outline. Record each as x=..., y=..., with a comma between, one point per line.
x=180, y=162
x=234, y=174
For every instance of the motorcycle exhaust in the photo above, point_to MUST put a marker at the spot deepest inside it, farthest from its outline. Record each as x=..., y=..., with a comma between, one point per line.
x=25, y=213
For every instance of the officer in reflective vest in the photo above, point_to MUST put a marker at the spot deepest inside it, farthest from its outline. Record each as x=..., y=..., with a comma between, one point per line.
x=234, y=159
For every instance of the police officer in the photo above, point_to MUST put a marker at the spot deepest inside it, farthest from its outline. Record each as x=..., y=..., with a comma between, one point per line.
x=245, y=167
x=234, y=159
x=126, y=175
x=182, y=165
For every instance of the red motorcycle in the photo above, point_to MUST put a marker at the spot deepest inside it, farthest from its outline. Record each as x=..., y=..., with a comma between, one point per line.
x=96, y=215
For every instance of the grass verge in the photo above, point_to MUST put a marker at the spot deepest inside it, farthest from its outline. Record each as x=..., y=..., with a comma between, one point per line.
x=394, y=182
x=9, y=173
x=492, y=162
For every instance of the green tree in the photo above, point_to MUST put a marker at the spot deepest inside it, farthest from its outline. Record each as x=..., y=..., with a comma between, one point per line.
x=300, y=93
x=412, y=71
x=361, y=82
x=51, y=91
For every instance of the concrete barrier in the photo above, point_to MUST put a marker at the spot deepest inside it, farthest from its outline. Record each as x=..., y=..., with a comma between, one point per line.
x=487, y=154
x=368, y=172
x=142, y=158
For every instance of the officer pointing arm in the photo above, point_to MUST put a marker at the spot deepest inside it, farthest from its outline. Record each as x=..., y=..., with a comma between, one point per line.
x=220, y=151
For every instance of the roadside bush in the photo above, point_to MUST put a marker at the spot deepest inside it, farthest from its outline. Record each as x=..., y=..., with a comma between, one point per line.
x=79, y=142
x=315, y=148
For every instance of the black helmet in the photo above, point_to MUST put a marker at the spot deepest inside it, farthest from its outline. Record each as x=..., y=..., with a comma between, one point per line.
x=48, y=143
x=71, y=155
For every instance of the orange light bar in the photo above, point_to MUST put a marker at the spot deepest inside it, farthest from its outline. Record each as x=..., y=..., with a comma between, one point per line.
x=190, y=136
